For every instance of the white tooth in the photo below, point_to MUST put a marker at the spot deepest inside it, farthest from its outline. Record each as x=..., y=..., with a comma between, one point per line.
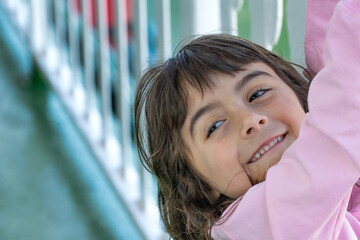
x=266, y=148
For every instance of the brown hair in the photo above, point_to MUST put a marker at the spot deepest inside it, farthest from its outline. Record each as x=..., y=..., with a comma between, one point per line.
x=187, y=206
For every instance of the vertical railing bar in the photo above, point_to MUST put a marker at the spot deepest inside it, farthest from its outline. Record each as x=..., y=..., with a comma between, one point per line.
x=26, y=5
x=56, y=5
x=43, y=24
x=141, y=36
x=88, y=53
x=229, y=11
x=123, y=84
x=54, y=58
x=266, y=21
x=296, y=12
x=164, y=29
x=48, y=35
x=37, y=33
x=142, y=57
x=72, y=45
x=103, y=39
x=59, y=28
x=18, y=14
x=279, y=21
x=49, y=17
x=33, y=25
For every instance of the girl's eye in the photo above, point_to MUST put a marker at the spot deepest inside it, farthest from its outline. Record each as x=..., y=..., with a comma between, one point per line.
x=258, y=94
x=213, y=128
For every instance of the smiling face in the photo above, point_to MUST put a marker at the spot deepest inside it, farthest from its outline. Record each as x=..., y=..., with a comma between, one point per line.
x=236, y=131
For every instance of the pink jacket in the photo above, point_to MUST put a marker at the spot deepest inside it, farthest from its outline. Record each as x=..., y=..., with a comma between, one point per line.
x=309, y=194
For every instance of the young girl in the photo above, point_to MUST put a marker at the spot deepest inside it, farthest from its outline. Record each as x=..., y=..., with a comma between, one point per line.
x=224, y=114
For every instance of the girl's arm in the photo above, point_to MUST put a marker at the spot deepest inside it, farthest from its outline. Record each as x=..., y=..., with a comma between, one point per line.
x=305, y=195
x=318, y=15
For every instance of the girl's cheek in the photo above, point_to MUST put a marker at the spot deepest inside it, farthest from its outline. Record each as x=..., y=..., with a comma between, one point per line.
x=289, y=110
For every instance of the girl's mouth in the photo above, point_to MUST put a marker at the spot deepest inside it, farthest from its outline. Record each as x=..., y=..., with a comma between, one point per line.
x=265, y=147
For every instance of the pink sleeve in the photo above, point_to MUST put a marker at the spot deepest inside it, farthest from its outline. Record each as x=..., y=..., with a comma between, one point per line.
x=318, y=14
x=306, y=195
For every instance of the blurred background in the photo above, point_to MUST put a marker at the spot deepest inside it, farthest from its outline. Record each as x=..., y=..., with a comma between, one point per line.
x=69, y=168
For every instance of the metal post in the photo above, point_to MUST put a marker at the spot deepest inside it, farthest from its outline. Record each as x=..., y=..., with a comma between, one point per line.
x=123, y=84
x=88, y=55
x=266, y=21
x=141, y=36
x=229, y=12
x=60, y=31
x=164, y=22
x=38, y=20
x=103, y=39
x=73, y=48
x=196, y=21
x=142, y=58
x=296, y=15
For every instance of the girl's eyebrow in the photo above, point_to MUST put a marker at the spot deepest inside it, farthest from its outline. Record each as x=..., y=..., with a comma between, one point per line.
x=250, y=76
x=200, y=112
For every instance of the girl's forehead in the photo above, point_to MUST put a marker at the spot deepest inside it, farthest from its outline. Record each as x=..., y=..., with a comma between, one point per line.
x=219, y=82
x=215, y=79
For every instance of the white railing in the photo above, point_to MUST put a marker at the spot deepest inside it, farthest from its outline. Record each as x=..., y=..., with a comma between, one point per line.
x=91, y=76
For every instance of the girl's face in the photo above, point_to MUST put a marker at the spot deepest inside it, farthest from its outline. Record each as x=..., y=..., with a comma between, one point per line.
x=235, y=132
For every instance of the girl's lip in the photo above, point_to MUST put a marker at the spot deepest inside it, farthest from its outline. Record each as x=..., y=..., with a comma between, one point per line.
x=265, y=144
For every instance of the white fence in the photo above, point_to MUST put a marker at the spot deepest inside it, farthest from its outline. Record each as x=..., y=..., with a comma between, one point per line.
x=92, y=55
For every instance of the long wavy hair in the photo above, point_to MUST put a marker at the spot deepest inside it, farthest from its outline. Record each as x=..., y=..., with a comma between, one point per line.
x=187, y=206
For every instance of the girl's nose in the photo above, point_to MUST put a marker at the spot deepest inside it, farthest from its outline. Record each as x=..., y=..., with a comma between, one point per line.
x=253, y=122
